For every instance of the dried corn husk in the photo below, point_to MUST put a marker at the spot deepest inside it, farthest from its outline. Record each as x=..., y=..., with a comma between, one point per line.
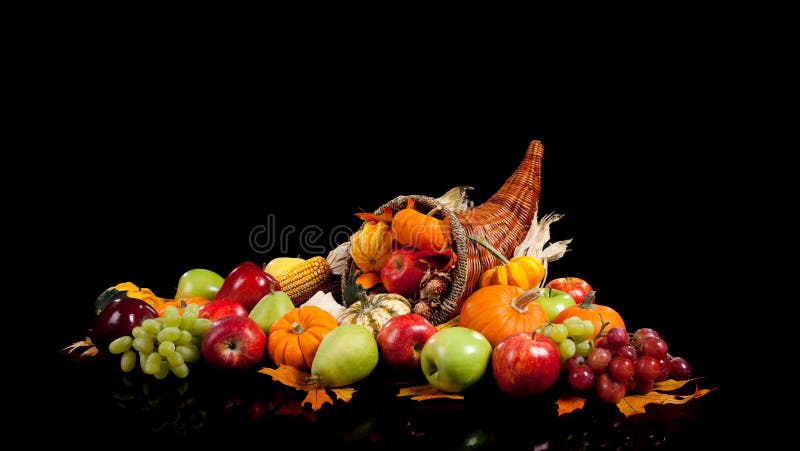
x=535, y=243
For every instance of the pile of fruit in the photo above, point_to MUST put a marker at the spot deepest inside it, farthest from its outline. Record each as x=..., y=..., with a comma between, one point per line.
x=284, y=315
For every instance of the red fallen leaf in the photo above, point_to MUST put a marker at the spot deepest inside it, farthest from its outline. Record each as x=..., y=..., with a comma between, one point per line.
x=569, y=402
x=426, y=392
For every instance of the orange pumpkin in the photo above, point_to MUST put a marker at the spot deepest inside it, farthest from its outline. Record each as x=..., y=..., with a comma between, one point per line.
x=498, y=311
x=597, y=314
x=371, y=246
x=523, y=271
x=425, y=232
x=295, y=337
x=181, y=304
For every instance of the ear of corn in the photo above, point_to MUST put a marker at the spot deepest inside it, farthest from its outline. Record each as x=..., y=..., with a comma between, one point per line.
x=305, y=277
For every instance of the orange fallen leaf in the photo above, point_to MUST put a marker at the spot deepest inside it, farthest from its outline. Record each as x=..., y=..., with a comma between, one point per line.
x=635, y=404
x=317, y=397
x=344, y=394
x=569, y=402
x=425, y=392
x=672, y=384
x=287, y=375
x=91, y=350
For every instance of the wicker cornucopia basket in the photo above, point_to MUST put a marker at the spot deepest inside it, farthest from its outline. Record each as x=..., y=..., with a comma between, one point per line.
x=503, y=220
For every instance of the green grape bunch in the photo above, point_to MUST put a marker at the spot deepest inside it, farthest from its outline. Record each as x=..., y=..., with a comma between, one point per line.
x=165, y=344
x=573, y=336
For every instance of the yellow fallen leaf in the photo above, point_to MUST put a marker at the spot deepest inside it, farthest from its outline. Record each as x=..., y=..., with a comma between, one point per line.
x=345, y=394
x=672, y=384
x=425, y=392
x=568, y=402
x=451, y=323
x=317, y=397
x=288, y=375
x=635, y=404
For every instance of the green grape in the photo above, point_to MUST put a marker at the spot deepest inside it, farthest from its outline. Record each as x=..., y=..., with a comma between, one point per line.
x=181, y=371
x=185, y=338
x=120, y=345
x=162, y=372
x=171, y=316
x=144, y=345
x=188, y=319
x=201, y=326
x=196, y=340
x=189, y=352
x=152, y=364
x=574, y=326
x=128, y=361
x=139, y=332
x=558, y=333
x=584, y=348
x=166, y=347
x=566, y=349
x=143, y=359
x=151, y=326
x=169, y=334
x=588, y=327
x=175, y=359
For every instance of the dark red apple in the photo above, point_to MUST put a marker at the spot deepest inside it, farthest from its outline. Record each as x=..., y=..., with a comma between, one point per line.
x=400, y=341
x=403, y=272
x=573, y=286
x=247, y=284
x=118, y=318
x=234, y=342
x=526, y=365
x=221, y=308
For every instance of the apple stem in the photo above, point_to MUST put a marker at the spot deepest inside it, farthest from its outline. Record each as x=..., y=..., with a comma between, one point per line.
x=297, y=328
x=520, y=304
x=489, y=247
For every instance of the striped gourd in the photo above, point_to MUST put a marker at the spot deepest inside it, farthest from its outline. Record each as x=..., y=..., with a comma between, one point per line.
x=305, y=277
x=375, y=310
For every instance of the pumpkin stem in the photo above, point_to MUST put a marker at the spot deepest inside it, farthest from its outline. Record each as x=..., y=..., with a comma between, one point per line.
x=603, y=324
x=588, y=300
x=489, y=247
x=183, y=304
x=297, y=328
x=520, y=304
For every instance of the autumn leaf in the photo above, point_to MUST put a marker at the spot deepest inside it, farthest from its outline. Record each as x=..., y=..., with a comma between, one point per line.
x=635, y=404
x=91, y=350
x=426, y=392
x=288, y=375
x=317, y=397
x=568, y=402
x=344, y=394
x=671, y=384
x=385, y=217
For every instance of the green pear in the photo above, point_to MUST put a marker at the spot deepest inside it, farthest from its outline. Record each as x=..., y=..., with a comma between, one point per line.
x=271, y=307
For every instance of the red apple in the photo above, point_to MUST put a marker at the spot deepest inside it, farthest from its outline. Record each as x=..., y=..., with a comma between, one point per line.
x=403, y=272
x=247, y=284
x=573, y=286
x=221, y=308
x=401, y=339
x=234, y=342
x=118, y=318
x=526, y=365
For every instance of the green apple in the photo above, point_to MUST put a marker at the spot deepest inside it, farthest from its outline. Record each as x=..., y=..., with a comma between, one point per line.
x=271, y=307
x=200, y=283
x=455, y=358
x=554, y=301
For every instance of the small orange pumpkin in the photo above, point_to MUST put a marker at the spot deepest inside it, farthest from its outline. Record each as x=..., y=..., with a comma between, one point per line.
x=597, y=314
x=371, y=246
x=181, y=304
x=523, y=271
x=498, y=311
x=295, y=337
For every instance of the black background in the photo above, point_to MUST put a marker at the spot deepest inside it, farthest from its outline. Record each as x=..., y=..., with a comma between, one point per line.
x=183, y=173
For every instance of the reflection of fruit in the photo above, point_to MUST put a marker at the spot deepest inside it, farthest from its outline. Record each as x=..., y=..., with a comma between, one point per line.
x=279, y=265
x=345, y=356
x=498, y=311
x=401, y=340
x=455, y=358
x=526, y=365
x=295, y=337
x=221, y=308
x=118, y=319
x=573, y=286
x=271, y=307
x=247, y=284
x=198, y=282
x=554, y=301
x=403, y=272
x=234, y=342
